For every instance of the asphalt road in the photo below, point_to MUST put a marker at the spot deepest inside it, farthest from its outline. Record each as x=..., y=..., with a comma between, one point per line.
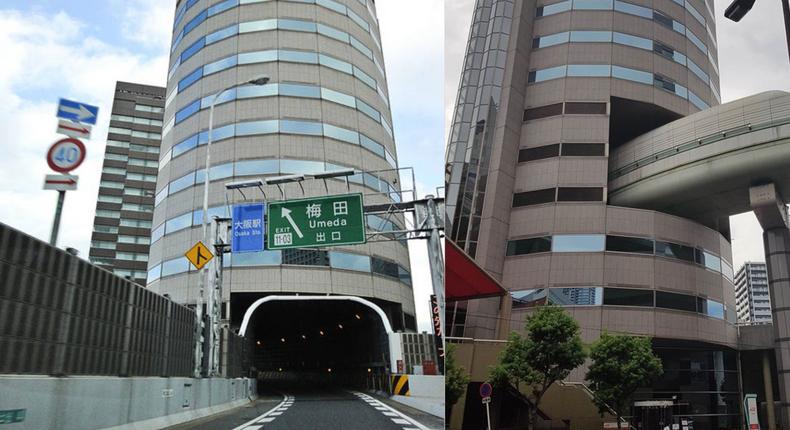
x=318, y=408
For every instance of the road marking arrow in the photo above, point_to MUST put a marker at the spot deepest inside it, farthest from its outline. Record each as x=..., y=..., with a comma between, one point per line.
x=82, y=113
x=286, y=213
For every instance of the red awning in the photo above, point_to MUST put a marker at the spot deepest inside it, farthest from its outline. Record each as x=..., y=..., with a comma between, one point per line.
x=464, y=279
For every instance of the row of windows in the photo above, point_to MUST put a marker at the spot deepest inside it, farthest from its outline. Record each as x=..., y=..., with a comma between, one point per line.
x=597, y=296
x=105, y=229
x=229, y=4
x=561, y=194
x=306, y=128
x=136, y=120
x=137, y=240
x=619, y=72
x=133, y=274
x=567, y=108
x=631, y=9
x=564, y=149
x=271, y=166
x=303, y=57
x=131, y=161
x=133, y=146
x=135, y=133
x=131, y=256
x=659, y=48
x=147, y=108
x=275, y=24
x=129, y=176
x=634, y=245
x=284, y=90
x=300, y=257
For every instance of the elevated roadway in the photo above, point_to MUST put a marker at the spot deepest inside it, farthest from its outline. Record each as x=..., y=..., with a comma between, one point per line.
x=701, y=167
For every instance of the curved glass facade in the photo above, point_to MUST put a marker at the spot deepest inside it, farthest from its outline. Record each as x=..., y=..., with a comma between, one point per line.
x=325, y=108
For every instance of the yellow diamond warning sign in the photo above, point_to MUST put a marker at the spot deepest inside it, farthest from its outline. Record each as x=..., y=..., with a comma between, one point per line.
x=199, y=255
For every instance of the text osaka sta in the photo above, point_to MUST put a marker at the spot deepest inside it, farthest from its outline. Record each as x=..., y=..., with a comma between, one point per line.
x=337, y=222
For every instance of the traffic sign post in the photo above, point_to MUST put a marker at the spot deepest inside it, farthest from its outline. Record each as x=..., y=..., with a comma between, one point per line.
x=63, y=156
x=73, y=129
x=485, y=394
x=199, y=255
x=248, y=228
x=316, y=222
x=77, y=112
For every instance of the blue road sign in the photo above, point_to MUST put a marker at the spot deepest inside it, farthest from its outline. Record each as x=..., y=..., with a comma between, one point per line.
x=78, y=112
x=248, y=228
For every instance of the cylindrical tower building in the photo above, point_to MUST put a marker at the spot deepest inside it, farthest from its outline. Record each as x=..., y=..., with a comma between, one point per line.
x=325, y=108
x=549, y=92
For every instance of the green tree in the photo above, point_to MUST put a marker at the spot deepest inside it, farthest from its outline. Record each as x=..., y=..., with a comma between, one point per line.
x=620, y=365
x=549, y=351
x=455, y=379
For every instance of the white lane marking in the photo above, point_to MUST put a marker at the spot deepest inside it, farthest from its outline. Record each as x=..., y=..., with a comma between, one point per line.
x=390, y=414
x=249, y=425
x=407, y=419
x=275, y=414
x=400, y=421
x=267, y=420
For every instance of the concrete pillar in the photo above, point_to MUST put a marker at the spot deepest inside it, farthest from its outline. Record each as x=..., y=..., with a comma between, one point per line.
x=771, y=212
x=769, y=391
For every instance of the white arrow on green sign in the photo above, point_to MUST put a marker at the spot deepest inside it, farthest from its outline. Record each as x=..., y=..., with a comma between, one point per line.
x=316, y=222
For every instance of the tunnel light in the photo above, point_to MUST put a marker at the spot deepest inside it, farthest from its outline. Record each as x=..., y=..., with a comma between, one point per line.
x=304, y=337
x=282, y=339
x=280, y=369
x=340, y=326
x=357, y=316
x=329, y=370
x=258, y=342
x=369, y=370
x=321, y=332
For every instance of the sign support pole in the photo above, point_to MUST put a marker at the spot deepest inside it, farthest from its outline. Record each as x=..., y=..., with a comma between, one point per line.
x=488, y=415
x=436, y=260
x=53, y=238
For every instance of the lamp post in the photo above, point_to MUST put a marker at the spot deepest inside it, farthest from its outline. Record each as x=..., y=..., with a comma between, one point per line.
x=738, y=8
x=212, y=308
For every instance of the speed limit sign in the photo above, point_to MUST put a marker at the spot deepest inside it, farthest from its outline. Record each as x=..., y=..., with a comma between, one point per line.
x=66, y=155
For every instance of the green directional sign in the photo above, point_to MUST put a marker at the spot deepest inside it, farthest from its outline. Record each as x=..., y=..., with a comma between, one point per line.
x=12, y=416
x=315, y=222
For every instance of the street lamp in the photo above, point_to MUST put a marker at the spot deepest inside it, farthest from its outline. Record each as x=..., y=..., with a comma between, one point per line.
x=213, y=314
x=738, y=8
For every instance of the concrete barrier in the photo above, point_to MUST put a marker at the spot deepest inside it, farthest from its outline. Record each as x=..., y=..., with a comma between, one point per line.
x=426, y=393
x=82, y=403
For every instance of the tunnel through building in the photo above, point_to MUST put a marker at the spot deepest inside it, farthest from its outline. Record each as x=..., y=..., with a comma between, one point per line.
x=338, y=337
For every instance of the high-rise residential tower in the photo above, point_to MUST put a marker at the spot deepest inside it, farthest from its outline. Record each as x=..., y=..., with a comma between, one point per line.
x=325, y=108
x=752, y=299
x=125, y=206
x=551, y=98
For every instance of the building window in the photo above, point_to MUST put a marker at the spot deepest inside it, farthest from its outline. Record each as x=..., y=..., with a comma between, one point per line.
x=674, y=250
x=584, y=149
x=680, y=302
x=539, y=153
x=537, y=197
x=585, y=108
x=627, y=297
x=529, y=246
x=579, y=194
x=578, y=243
x=543, y=111
x=629, y=244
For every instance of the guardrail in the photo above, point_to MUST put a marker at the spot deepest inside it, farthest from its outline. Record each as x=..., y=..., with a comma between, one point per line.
x=694, y=144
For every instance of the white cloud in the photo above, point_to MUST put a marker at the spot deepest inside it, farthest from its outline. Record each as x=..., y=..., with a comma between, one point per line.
x=149, y=22
x=50, y=62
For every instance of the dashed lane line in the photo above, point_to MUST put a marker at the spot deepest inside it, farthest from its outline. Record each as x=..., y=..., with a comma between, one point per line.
x=395, y=415
x=269, y=416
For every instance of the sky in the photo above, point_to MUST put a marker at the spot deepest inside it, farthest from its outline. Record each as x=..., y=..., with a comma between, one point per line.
x=752, y=58
x=78, y=49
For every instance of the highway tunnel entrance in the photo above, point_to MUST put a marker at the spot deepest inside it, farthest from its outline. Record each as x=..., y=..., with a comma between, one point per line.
x=323, y=339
